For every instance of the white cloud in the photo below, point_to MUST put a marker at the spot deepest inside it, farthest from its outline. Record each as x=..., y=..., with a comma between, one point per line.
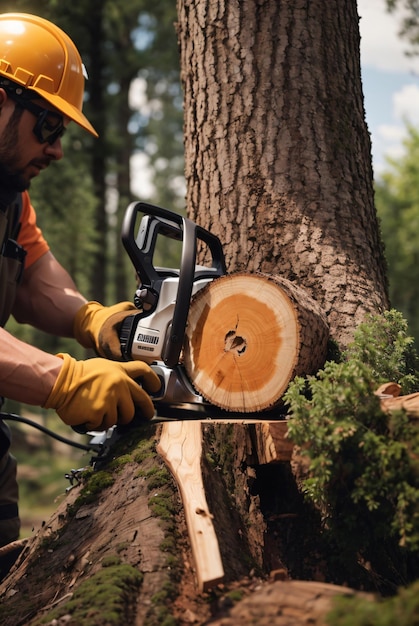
x=381, y=45
x=390, y=133
x=406, y=103
x=387, y=142
x=387, y=139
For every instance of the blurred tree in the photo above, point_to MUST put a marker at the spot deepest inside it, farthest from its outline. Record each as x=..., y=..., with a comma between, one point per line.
x=409, y=21
x=397, y=200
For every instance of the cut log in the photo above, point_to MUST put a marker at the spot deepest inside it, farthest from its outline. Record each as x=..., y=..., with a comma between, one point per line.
x=248, y=336
x=391, y=400
x=180, y=446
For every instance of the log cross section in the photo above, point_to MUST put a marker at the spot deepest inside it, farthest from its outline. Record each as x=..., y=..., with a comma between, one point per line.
x=180, y=446
x=248, y=335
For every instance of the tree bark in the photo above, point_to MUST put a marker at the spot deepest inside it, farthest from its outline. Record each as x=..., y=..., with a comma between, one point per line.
x=277, y=152
x=117, y=550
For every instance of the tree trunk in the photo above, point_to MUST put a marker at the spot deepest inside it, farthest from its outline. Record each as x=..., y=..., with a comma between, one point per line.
x=98, y=278
x=277, y=152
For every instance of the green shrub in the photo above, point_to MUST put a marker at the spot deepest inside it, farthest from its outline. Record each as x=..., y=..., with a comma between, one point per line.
x=363, y=473
x=383, y=343
x=402, y=610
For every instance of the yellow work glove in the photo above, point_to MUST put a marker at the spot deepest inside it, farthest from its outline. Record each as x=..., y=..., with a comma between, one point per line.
x=97, y=326
x=98, y=393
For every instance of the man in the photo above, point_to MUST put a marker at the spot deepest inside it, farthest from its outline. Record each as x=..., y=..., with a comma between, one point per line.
x=41, y=92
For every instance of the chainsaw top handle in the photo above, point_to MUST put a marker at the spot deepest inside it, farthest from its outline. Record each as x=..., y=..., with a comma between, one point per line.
x=140, y=248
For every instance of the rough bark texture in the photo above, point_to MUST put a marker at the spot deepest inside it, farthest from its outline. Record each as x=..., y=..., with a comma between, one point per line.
x=278, y=160
x=113, y=522
x=248, y=336
x=117, y=552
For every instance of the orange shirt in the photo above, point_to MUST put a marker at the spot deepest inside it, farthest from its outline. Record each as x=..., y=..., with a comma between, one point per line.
x=30, y=236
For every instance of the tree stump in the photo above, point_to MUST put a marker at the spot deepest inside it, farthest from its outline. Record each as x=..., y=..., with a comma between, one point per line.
x=248, y=336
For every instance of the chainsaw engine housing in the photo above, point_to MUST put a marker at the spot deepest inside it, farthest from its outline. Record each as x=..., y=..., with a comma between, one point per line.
x=156, y=333
x=146, y=337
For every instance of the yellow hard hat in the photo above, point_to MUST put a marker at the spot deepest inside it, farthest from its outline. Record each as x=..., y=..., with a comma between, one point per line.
x=39, y=56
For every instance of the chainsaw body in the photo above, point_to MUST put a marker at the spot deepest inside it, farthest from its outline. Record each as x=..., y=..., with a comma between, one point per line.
x=156, y=333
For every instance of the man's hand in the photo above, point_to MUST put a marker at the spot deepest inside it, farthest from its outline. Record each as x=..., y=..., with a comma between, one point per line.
x=97, y=327
x=99, y=393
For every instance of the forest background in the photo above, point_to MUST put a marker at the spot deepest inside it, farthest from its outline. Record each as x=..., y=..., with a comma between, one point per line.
x=134, y=100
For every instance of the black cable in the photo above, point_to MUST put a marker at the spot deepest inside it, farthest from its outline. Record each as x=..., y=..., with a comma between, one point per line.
x=18, y=418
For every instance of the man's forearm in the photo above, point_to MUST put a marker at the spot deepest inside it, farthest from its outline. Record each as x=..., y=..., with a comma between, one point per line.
x=48, y=298
x=27, y=374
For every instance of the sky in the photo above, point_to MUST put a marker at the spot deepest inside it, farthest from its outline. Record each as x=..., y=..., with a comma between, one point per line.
x=390, y=81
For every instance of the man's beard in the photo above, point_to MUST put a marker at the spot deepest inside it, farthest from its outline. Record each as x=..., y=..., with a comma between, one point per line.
x=12, y=181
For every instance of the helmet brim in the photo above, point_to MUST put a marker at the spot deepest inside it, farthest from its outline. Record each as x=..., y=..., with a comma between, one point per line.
x=66, y=109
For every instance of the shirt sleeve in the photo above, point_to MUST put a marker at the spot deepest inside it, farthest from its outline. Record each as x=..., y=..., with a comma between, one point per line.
x=30, y=236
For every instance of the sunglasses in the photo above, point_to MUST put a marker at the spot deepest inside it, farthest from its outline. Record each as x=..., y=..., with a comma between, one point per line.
x=49, y=126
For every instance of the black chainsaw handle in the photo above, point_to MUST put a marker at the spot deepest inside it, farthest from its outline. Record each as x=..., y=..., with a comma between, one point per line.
x=140, y=246
x=140, y=249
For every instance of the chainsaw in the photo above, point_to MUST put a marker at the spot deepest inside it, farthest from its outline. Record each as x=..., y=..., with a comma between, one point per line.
x=155, y=334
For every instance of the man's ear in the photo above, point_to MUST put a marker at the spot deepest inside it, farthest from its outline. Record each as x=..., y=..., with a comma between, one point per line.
x=3, y=96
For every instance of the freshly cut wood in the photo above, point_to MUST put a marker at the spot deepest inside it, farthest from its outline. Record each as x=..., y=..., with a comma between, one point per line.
x=391, y=400
x=180, y=446
x=248, y=336
x=271, y=443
